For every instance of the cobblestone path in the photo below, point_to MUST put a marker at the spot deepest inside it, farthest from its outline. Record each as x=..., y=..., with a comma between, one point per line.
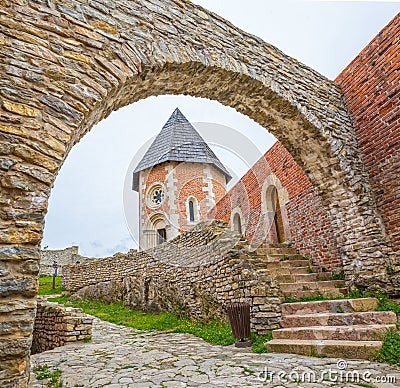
x=123, y=357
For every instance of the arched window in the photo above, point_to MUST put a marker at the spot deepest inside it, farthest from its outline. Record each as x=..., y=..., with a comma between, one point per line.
x=237, y=223
x=191, y=210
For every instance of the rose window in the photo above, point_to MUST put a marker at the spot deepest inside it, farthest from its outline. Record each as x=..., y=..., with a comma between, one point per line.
x=156, y=196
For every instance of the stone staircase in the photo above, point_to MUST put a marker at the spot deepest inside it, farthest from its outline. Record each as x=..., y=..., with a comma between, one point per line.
x=296, y=275
x=347, y=328
x=343, y=328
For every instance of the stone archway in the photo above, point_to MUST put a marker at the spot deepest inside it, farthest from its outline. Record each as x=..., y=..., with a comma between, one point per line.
x=67, y=65
x=273, y=205
x=275, y=228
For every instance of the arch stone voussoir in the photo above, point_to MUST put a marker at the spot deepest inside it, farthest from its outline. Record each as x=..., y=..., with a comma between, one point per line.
x=66, y=65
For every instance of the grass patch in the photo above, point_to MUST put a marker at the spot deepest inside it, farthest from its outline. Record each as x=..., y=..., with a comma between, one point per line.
x=46, y=283
x=338, y=276
x=43, y=372
x=214, y=332
x=217, y=333
x=365, y=385
x=121, y=315
x=390, y=351
x=258, y=342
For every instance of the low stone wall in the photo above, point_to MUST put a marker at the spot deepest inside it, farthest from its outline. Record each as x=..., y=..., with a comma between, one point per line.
x=197, y=273
x=55, y=325
x=62, y=257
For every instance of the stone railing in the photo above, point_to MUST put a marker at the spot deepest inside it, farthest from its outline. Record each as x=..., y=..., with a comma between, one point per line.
x=197, y=274
x=56, y=325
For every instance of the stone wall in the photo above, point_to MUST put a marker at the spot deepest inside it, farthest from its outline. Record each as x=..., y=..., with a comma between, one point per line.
x=56, y=325
x=371, y=86
x=62, y=257
x=197, y=273
x=305, y=218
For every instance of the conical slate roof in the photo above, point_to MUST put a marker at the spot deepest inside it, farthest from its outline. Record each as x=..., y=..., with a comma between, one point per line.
x=178, y=141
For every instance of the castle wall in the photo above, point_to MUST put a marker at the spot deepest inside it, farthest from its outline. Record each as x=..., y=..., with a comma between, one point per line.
x=62, y=257
x=371, y=86
x=197, y=273
x=306, y=220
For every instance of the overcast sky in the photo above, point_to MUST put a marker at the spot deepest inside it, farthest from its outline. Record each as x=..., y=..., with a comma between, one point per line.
x=87, y=203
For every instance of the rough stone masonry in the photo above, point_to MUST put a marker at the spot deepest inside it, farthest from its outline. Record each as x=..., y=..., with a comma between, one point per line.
x=197, y=274
x=66, y=65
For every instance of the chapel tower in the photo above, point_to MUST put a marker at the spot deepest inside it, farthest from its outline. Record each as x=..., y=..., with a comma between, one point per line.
x=179, y=181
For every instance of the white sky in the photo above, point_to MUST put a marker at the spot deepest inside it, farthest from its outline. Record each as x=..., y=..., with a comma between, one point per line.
x=86, y=205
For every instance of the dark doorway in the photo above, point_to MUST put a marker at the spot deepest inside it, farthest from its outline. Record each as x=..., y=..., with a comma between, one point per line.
x=237, y=223
x=278, y=221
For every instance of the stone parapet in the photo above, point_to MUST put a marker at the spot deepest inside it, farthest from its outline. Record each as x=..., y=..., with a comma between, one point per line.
x=56, y=325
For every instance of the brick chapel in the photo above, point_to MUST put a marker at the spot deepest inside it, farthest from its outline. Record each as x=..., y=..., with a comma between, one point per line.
x=179, y=181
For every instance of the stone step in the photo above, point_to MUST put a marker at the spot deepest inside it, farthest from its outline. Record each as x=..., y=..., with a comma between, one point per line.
x=308, y=277
x=275, y=245
x=349, y=333
x=339, y=319
x=288, y=264
x=276, y=258
x=318, y=285
x=276, y=251
x=330, y=348
x=327, y=293
x=330, y=306
x=289, y=271
x=282, y=257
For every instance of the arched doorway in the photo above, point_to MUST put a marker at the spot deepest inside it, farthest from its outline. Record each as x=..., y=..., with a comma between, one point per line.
x=275, y=229
x=156, y=232
x=237, y=223
x=115, y=59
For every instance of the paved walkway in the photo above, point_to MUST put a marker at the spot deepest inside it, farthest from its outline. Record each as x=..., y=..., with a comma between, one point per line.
x=123, y=357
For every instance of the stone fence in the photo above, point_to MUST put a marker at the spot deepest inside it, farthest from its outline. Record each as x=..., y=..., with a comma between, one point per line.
x=55, y=325
x=197, y=274
x=62, y=257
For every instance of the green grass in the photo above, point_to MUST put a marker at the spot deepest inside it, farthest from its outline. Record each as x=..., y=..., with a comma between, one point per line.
x=338, y=276
x=43, y=372
x=121, y=315
x=390, y=351
x=217, y=333
x=258, y=342
x=214, y=332
x=46, y=283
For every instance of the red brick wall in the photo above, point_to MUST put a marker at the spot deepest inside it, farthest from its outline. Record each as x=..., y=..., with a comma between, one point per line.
x=371, y=85
x=189, y=181
x=307, y=219
x=151, y=176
